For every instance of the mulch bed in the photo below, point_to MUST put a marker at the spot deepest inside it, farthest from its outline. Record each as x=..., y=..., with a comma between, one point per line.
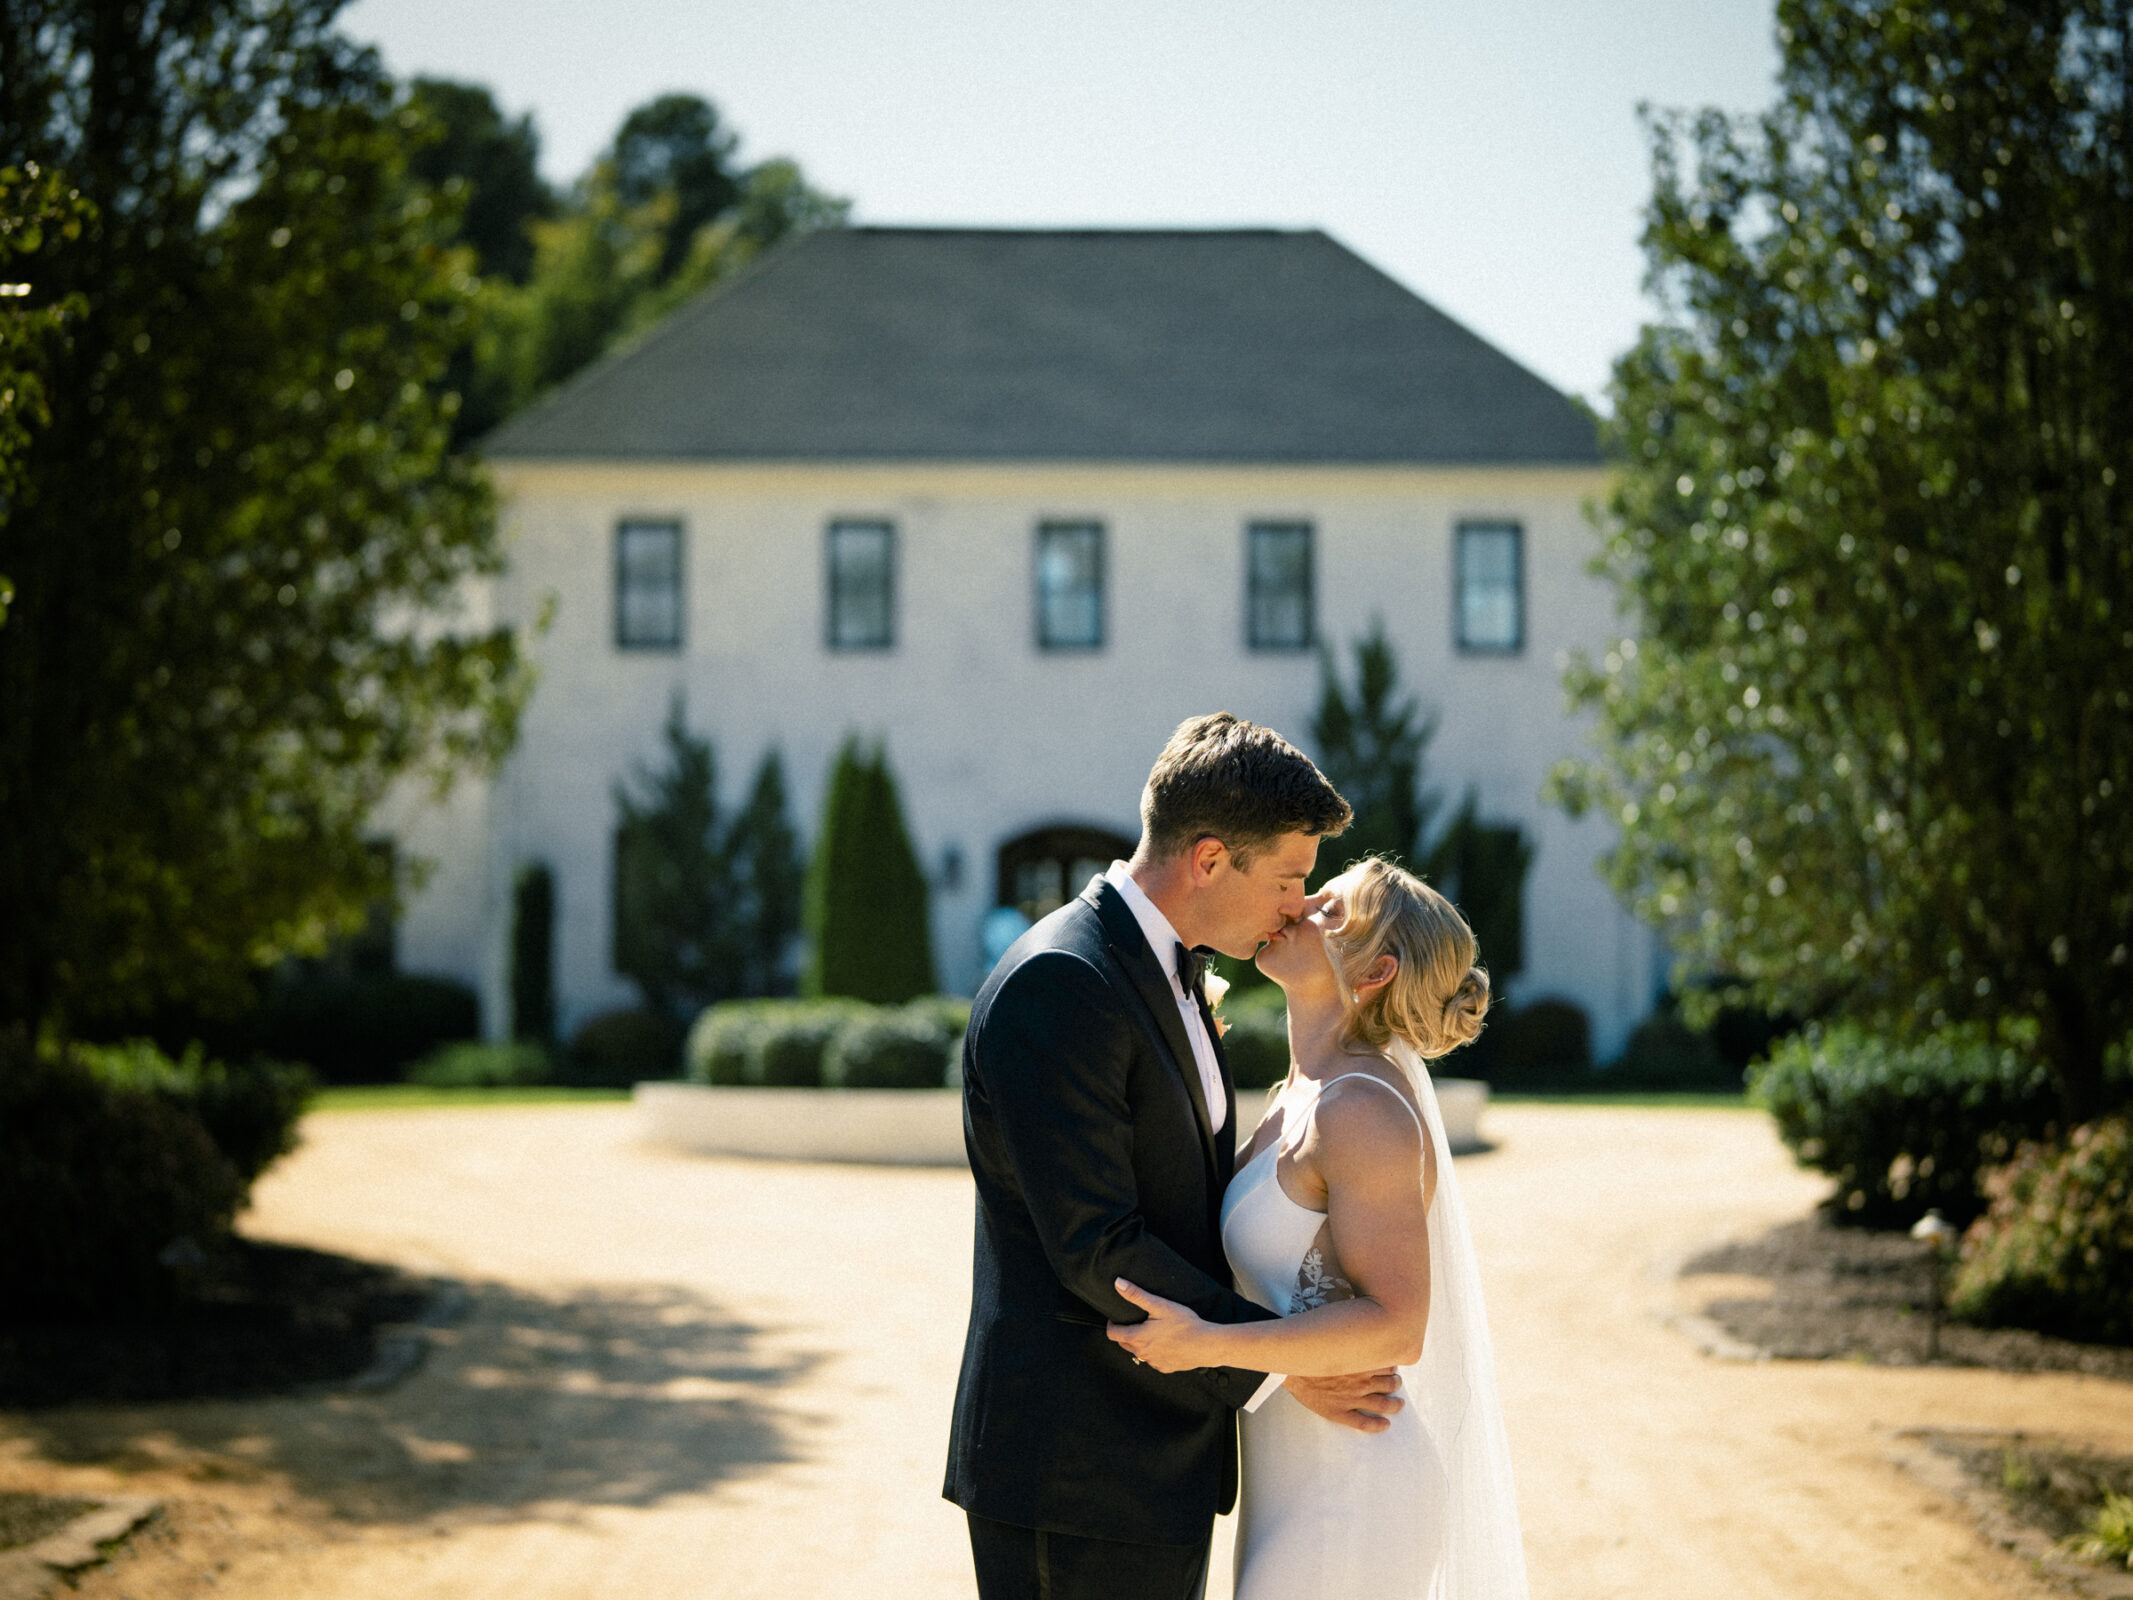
x=26, y=1518
x=2048, y=1484
x=259, y=1319
x=1852, y=1294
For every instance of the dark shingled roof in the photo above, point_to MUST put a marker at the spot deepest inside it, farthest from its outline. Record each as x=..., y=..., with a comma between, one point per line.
x=902, y=344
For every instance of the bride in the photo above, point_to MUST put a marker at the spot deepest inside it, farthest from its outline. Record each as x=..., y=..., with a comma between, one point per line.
x=1345, y=1217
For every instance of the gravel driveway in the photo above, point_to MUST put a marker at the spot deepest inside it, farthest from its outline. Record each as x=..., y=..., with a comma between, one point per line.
x=685, y=1377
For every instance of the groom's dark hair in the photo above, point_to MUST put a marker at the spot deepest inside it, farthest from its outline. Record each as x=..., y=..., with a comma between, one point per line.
x=1223, y=777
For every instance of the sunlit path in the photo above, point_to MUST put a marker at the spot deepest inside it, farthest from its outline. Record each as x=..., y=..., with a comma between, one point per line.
x=687, y=1378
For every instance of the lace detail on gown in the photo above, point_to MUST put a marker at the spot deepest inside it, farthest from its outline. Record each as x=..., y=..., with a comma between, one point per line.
x=1317, y=1282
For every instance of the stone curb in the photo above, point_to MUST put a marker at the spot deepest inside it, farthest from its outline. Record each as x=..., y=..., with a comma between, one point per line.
x=30, y=1573
x=402, y=1345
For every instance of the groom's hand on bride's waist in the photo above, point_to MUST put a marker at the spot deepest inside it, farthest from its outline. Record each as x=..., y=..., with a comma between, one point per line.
x=1365, y=1401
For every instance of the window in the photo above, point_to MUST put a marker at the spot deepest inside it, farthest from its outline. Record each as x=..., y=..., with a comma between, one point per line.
x=1277, y=585
x=862, y=585
x=1039, y=872
x=648, y=586
x=1491, y=587
x=1070, y=585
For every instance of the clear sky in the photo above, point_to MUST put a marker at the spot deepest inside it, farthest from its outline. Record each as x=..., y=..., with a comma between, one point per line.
x=1487, y=154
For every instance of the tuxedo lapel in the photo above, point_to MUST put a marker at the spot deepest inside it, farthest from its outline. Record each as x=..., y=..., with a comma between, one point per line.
x=1226, y=1140
x=1130, y=946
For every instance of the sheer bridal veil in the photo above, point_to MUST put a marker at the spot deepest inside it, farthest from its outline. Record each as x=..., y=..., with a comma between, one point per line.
x=1453, y=1387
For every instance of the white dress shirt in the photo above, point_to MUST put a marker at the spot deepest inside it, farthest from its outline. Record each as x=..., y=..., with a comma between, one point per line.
x=1164, y=940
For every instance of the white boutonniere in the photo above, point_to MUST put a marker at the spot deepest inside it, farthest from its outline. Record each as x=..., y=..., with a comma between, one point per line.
x=1216, y=986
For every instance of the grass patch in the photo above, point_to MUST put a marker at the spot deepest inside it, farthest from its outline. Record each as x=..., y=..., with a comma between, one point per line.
x=1692, y=1100
x=417, y=1096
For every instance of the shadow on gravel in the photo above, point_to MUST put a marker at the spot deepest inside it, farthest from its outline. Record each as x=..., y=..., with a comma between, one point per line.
x=255, y=1319
x=1859, y=1295
x=528, y=1403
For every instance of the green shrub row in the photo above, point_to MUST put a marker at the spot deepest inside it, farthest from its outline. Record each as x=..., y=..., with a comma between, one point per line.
x=119, y=1166
x=1546, y=1044
x=838, y=1044
x=2054, y=1251
x=473, y=1065
x=1903, y=1127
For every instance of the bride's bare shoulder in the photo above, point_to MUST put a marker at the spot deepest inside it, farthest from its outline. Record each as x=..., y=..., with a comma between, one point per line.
x=1371, y=1098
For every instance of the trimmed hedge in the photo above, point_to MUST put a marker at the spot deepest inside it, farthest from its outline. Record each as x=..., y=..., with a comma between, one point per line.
x=618, y=1048
x=1664, y=1052
x=1903, y=1128
x=1547, y=1044
x=105, y=1189
x=899, y=1049
x=2055, y=1250
x=483, y=1066
x=814, y=1044
x=250, y=1109
x=358, y=1028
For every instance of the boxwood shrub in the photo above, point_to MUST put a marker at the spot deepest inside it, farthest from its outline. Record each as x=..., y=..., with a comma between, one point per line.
x=356, y=1028
x=901, y=1048
x=618, y=1048
x=105, y=1188
x=2055, y=1250
x=1903, y=1128
x=1545, y=1044
x=249, y=1109
x=835, y=1043
x=471, y=1065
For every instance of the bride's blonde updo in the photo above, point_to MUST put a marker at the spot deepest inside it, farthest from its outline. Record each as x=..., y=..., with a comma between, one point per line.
x=1438, y=996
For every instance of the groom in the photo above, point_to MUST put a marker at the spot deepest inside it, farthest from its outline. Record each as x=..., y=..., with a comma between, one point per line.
x=1102, y=1129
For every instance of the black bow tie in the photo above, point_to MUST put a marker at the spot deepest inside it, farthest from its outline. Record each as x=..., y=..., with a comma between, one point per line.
x=1192, y=972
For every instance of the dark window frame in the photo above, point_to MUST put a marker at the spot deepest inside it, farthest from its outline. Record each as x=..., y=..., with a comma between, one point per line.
x=1489, y=647
x=1253, y=641
x=1062, y=525
x=624, y=640
x=830, y=638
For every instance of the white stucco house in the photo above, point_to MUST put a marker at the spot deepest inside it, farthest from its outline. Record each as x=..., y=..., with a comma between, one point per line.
x=1017, y=502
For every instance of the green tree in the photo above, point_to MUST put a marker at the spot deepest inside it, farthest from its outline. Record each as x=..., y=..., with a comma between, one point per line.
x=868, y=932
x=675, y=150
x=1370, y=744
x=207, y=679
x=1871, y=740
x=464, y=152
x=533, y=955
x=1481, y=867
x=706, y=908
x=674, y=888
x=768, y=879
x=40, y=214
x=663, y=215
x=494, y=162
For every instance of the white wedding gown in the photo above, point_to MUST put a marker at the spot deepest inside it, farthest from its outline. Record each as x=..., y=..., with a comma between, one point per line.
x=1421, y=1511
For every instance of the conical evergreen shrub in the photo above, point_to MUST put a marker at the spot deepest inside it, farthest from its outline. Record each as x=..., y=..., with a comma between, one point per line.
x=868, y=932
x=533, y=955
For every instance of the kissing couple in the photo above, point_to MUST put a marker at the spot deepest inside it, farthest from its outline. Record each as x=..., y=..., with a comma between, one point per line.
x=1142, y=1286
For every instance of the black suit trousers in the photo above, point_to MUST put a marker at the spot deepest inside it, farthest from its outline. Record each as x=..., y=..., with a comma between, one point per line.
x=1030, y=1564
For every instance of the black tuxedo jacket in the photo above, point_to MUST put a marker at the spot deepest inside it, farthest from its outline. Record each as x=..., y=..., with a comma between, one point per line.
x=1090, y=1141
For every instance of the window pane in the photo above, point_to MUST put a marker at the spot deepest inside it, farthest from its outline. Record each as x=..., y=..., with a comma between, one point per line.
x=862, y=585
x=1070, y=585
x=1278, y=586
x=648, y=585
x=1491, y=599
